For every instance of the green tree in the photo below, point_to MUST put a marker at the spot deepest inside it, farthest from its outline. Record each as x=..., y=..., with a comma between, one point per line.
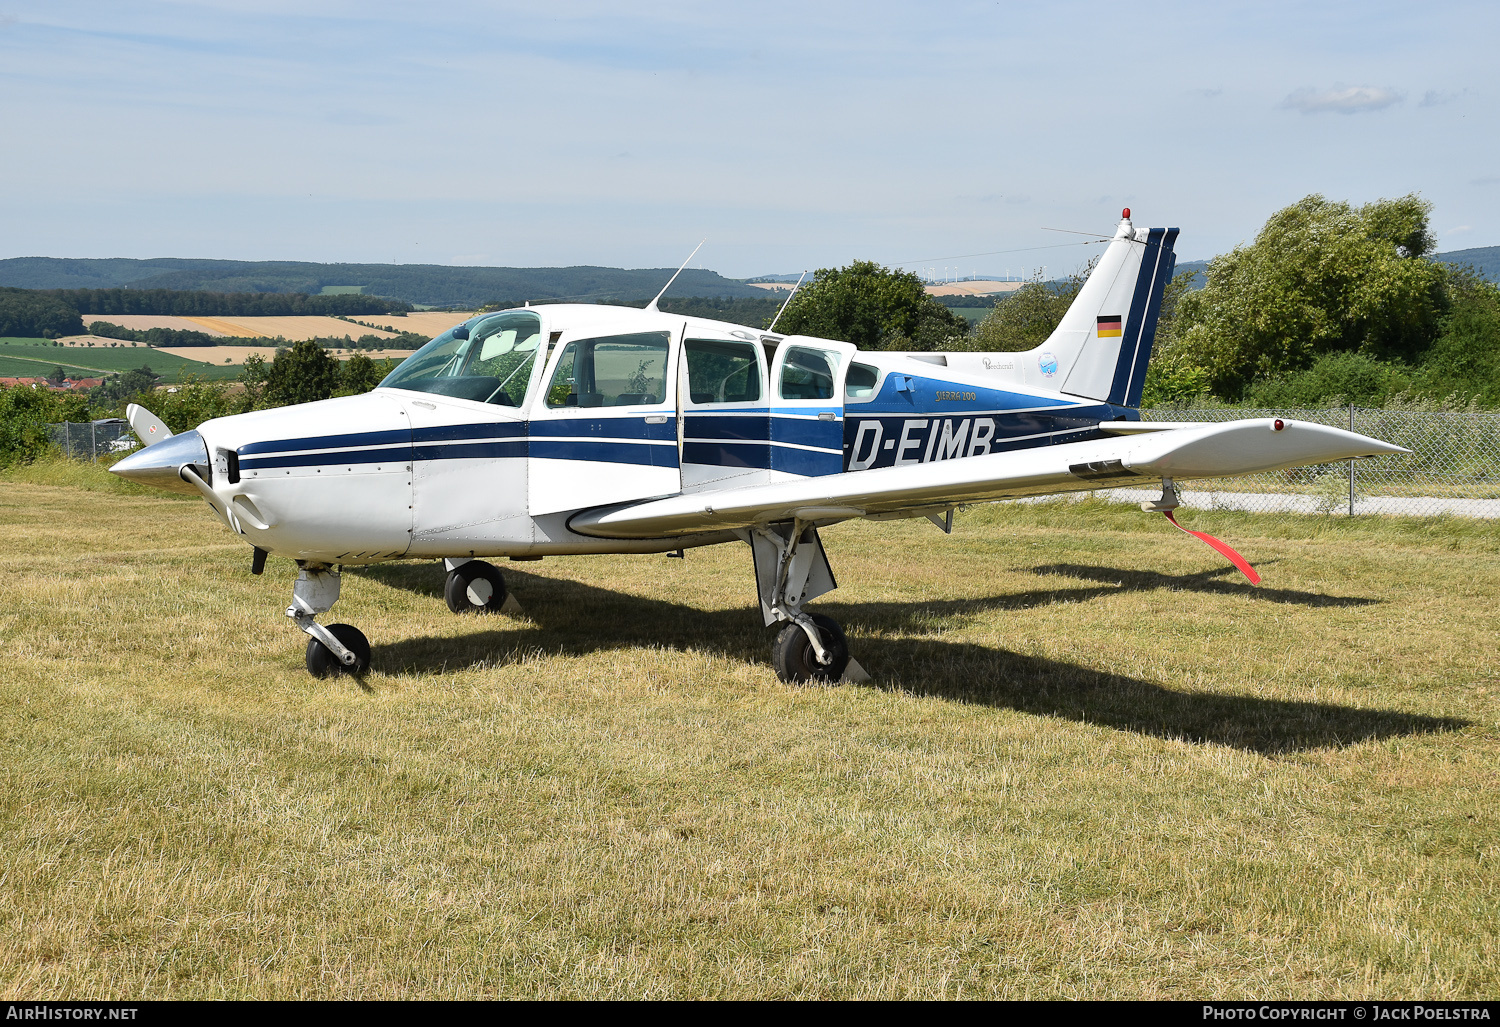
x=301, y=373
x=360, y=374
x=190, y=402
x=253, y=378
x=1464, y=361
x=1025, y=318
x=25, y=413
x=1321, y=277
x=124, y=386
x=872, y=307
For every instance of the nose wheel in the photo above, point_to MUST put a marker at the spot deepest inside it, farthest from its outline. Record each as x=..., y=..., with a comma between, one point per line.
x=321, y=661
x=475, y=587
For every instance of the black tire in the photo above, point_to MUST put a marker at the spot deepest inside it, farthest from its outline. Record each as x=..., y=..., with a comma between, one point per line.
x=475, y=587
x=321, y=663
x=793, y=657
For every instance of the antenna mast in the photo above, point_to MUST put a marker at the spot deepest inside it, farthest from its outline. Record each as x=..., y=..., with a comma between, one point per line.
x=685, y=263
x=788, y=300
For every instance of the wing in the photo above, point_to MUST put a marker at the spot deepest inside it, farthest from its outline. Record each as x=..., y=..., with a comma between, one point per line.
x=1182, y=452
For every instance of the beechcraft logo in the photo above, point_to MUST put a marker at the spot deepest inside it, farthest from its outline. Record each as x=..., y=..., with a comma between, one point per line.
x=1109, y=326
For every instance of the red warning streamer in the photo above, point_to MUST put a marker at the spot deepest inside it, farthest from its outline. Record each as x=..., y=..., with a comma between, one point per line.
x=1222, y=547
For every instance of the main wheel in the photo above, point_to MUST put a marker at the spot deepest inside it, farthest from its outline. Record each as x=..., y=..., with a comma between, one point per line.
x=475, y=587
x=793, y=655
x=321, y=663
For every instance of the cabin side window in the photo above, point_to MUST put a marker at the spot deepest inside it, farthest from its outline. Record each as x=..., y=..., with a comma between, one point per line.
x=722, y=372
x=861, y=382
x=611, y=371
x=808, y=373
x=488, y=361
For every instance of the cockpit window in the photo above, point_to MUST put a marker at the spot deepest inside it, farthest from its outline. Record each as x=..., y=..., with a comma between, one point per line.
x=613, y=371
x=489, y=360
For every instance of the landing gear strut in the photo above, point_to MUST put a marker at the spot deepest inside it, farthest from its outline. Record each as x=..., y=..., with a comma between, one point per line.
x=473, y=586
x=791, y=568
x=335, y=649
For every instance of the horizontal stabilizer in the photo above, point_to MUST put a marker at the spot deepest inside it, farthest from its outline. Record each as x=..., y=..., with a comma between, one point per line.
x=1184, y=452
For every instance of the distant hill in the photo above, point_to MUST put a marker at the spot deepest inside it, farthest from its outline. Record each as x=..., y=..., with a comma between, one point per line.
x=1485, y=259
x=433, y=285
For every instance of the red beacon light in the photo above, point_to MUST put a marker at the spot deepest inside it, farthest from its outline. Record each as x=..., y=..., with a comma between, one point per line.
x=1278, y=424
x=1125, y=213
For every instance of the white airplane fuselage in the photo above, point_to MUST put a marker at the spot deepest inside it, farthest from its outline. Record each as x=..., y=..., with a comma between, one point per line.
x=398, y=473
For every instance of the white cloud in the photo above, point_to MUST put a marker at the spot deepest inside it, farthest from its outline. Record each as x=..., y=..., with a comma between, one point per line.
x=1342, y=99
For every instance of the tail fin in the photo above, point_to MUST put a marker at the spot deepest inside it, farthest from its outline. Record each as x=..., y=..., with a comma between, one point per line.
x=1101, y=347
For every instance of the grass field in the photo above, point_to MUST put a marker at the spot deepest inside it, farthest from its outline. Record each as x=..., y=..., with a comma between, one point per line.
x=972, y=314
x=36, y=358
x=1091, y=762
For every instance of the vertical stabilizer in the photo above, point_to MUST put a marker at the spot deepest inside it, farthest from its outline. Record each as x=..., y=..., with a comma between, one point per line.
x=1101, y=347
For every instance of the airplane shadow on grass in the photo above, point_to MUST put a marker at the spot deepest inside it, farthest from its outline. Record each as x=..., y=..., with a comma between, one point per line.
x=572, y=618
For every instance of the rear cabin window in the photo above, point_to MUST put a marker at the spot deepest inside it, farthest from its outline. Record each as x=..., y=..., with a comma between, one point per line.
x=611, y=371
x=808, y=373
x=861, y=381
x=722, y=372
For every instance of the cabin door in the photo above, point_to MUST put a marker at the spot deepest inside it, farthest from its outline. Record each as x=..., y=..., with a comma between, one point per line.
x=724, y=396
x=807, y=407
x=604, y=428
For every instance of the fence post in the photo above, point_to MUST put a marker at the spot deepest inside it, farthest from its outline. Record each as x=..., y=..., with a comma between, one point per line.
x=93, y=442
x=1351, y=464
x=67, y=438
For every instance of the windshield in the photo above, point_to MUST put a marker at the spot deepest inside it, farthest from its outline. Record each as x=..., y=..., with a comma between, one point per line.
x=488, y=360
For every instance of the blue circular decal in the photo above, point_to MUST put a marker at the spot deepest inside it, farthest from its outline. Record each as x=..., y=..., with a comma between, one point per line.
x=1048, y=363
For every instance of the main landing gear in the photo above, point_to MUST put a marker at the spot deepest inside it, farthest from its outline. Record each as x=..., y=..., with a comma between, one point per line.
x=473, y=586
x=790, y=569
x=338, y=648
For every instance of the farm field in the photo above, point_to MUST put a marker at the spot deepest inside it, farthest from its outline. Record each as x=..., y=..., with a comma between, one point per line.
x=1091, y=762
x=972, y=314
x=972, y=288
x=236, y=355
x=430, y=323
x=144, y=322
x=292, y=328
x=37, y=357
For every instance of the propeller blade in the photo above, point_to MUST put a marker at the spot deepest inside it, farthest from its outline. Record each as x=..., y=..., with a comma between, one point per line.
x=146, y=425
x=1221, y=547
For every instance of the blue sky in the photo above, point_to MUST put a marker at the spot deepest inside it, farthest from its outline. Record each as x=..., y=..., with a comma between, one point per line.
x=790, y=135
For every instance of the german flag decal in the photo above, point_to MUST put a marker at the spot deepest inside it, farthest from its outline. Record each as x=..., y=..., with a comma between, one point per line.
x=1109, y=326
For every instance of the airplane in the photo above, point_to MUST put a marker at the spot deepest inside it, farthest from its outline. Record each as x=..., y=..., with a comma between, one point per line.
x=568, y=429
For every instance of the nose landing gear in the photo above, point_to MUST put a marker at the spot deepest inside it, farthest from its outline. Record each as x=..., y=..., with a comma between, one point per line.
x=338, y=648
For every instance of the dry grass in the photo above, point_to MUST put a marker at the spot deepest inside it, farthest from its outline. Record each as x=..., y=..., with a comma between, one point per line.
x=1090, y=763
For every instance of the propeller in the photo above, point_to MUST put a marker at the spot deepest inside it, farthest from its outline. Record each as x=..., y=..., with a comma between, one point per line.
x=1169, y=502
x=146, y=425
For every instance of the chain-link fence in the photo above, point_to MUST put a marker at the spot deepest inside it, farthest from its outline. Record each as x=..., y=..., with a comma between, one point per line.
x=1453, y=467
x=89, y=440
